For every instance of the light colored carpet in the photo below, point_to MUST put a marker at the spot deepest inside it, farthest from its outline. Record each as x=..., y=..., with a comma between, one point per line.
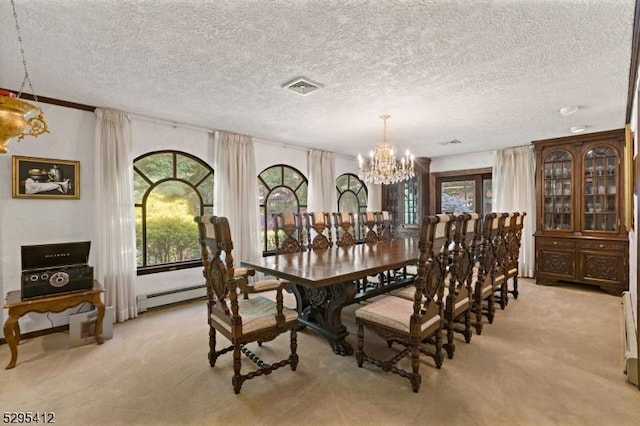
x=553, y=357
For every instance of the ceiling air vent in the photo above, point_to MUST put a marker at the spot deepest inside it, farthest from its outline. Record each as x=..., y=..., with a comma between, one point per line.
x=453, y=141
x=302, y=86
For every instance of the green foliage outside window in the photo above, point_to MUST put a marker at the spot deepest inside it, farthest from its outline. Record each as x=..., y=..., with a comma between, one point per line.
x=170, y=188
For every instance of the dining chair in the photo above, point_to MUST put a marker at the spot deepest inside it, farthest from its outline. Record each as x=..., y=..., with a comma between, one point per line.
x=483, y=273
x=243, y=321
x=369, y=223
x=207, y=248
x=344, y=223
x=288, y=228
x=318, y=230
x=449, y=243
x=415, y=324
x=513, y=247
x=499, y=230
x=385, y=226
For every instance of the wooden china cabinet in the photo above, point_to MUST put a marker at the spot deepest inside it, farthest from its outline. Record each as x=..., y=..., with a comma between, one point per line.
x=580, y=232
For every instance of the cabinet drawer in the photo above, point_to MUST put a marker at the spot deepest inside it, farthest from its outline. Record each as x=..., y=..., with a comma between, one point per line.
x=619, y=246
x=556, y=242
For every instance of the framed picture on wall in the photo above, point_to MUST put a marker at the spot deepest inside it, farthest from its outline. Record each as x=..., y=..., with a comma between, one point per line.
x=45, y=178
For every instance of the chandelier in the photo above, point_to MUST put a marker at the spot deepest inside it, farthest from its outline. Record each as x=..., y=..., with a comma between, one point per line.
x=382, y=167
x=17, y=117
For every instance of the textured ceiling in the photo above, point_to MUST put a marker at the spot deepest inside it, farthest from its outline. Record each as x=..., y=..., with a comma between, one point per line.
x=491, y=74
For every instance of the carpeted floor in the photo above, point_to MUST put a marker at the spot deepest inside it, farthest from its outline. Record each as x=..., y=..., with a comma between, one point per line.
x=553, y=357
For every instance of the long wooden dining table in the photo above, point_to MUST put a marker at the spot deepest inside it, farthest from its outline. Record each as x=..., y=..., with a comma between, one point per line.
x=325, y=281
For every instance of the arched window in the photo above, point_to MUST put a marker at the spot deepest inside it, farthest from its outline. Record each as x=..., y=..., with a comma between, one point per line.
x=280, y=188
x=352, y=194
x=170, y=188
x=352, y=197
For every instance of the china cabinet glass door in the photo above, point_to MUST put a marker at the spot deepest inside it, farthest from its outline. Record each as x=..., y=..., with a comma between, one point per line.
x=600, y=189
x=558, y=191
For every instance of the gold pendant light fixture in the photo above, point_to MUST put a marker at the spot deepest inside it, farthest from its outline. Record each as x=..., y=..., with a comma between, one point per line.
x=382, y=166
x=17, y=117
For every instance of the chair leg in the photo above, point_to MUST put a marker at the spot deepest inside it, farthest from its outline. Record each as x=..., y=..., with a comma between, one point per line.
x=467, y=325
x=515, y=287
x=212, y=347
x=294, y=348
x=237, y=378
x=491, y=310
x=415, y=378
x=478, y=308
x=360, y=351
x=450, y=346
x=438, y=351
x=504, y=294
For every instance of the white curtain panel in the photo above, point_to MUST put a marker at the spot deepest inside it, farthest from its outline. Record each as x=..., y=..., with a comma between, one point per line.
x=236, y=191
x=115, y=245
x=322, y=196
x=514, y=190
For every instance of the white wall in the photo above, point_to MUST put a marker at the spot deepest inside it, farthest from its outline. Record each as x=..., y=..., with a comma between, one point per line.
x=43, y=221
x=475, y=160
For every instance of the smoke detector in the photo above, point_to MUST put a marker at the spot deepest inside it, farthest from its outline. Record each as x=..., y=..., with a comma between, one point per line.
x=302, y=86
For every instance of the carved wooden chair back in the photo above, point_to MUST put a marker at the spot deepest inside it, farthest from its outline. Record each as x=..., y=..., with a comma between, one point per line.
x=501, y=252
x=344, y=223
x=288, y=229
x=369, y=224
x=412, y=323
x=246, y=320
x=482, y=280
x=514, y=242
x=318, y=230
x=385, y=226
x=458, y=283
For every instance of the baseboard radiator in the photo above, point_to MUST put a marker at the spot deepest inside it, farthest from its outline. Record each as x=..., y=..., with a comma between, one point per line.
x=148, y=301
x=630, y=340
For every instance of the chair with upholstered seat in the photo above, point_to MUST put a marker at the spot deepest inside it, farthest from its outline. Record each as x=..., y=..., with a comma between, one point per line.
x=458, y=285
x=499, y=246
x=411, y=323
x=344, y=223
x=369, y=223
x=385, y=226
x=257, y=319
x=207, y=242
x=318, y=230
x=288, y=232
x=449, y=242
x=514, y=240
x=482, y=280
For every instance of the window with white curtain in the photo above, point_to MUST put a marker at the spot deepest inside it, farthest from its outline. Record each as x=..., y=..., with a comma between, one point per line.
x=170, y=189
x=280, y=188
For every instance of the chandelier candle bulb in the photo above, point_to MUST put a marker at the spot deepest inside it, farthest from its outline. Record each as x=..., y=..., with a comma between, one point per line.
x=383, y=166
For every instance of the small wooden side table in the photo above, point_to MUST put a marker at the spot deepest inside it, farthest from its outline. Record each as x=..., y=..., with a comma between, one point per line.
x=55, y=303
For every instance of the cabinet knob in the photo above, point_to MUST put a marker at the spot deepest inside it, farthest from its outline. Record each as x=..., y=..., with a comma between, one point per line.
x=555, y=243
x=601, y=246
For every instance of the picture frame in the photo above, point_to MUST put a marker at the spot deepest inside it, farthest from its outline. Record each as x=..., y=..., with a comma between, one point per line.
x=34, y=177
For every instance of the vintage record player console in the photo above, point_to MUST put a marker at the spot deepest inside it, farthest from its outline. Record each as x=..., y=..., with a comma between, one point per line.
x=50, y=269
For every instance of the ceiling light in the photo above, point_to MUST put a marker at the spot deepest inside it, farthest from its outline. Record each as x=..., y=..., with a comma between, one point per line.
x=17, y=117
x=383, y=168
x=578, y=129
x=568, y=110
